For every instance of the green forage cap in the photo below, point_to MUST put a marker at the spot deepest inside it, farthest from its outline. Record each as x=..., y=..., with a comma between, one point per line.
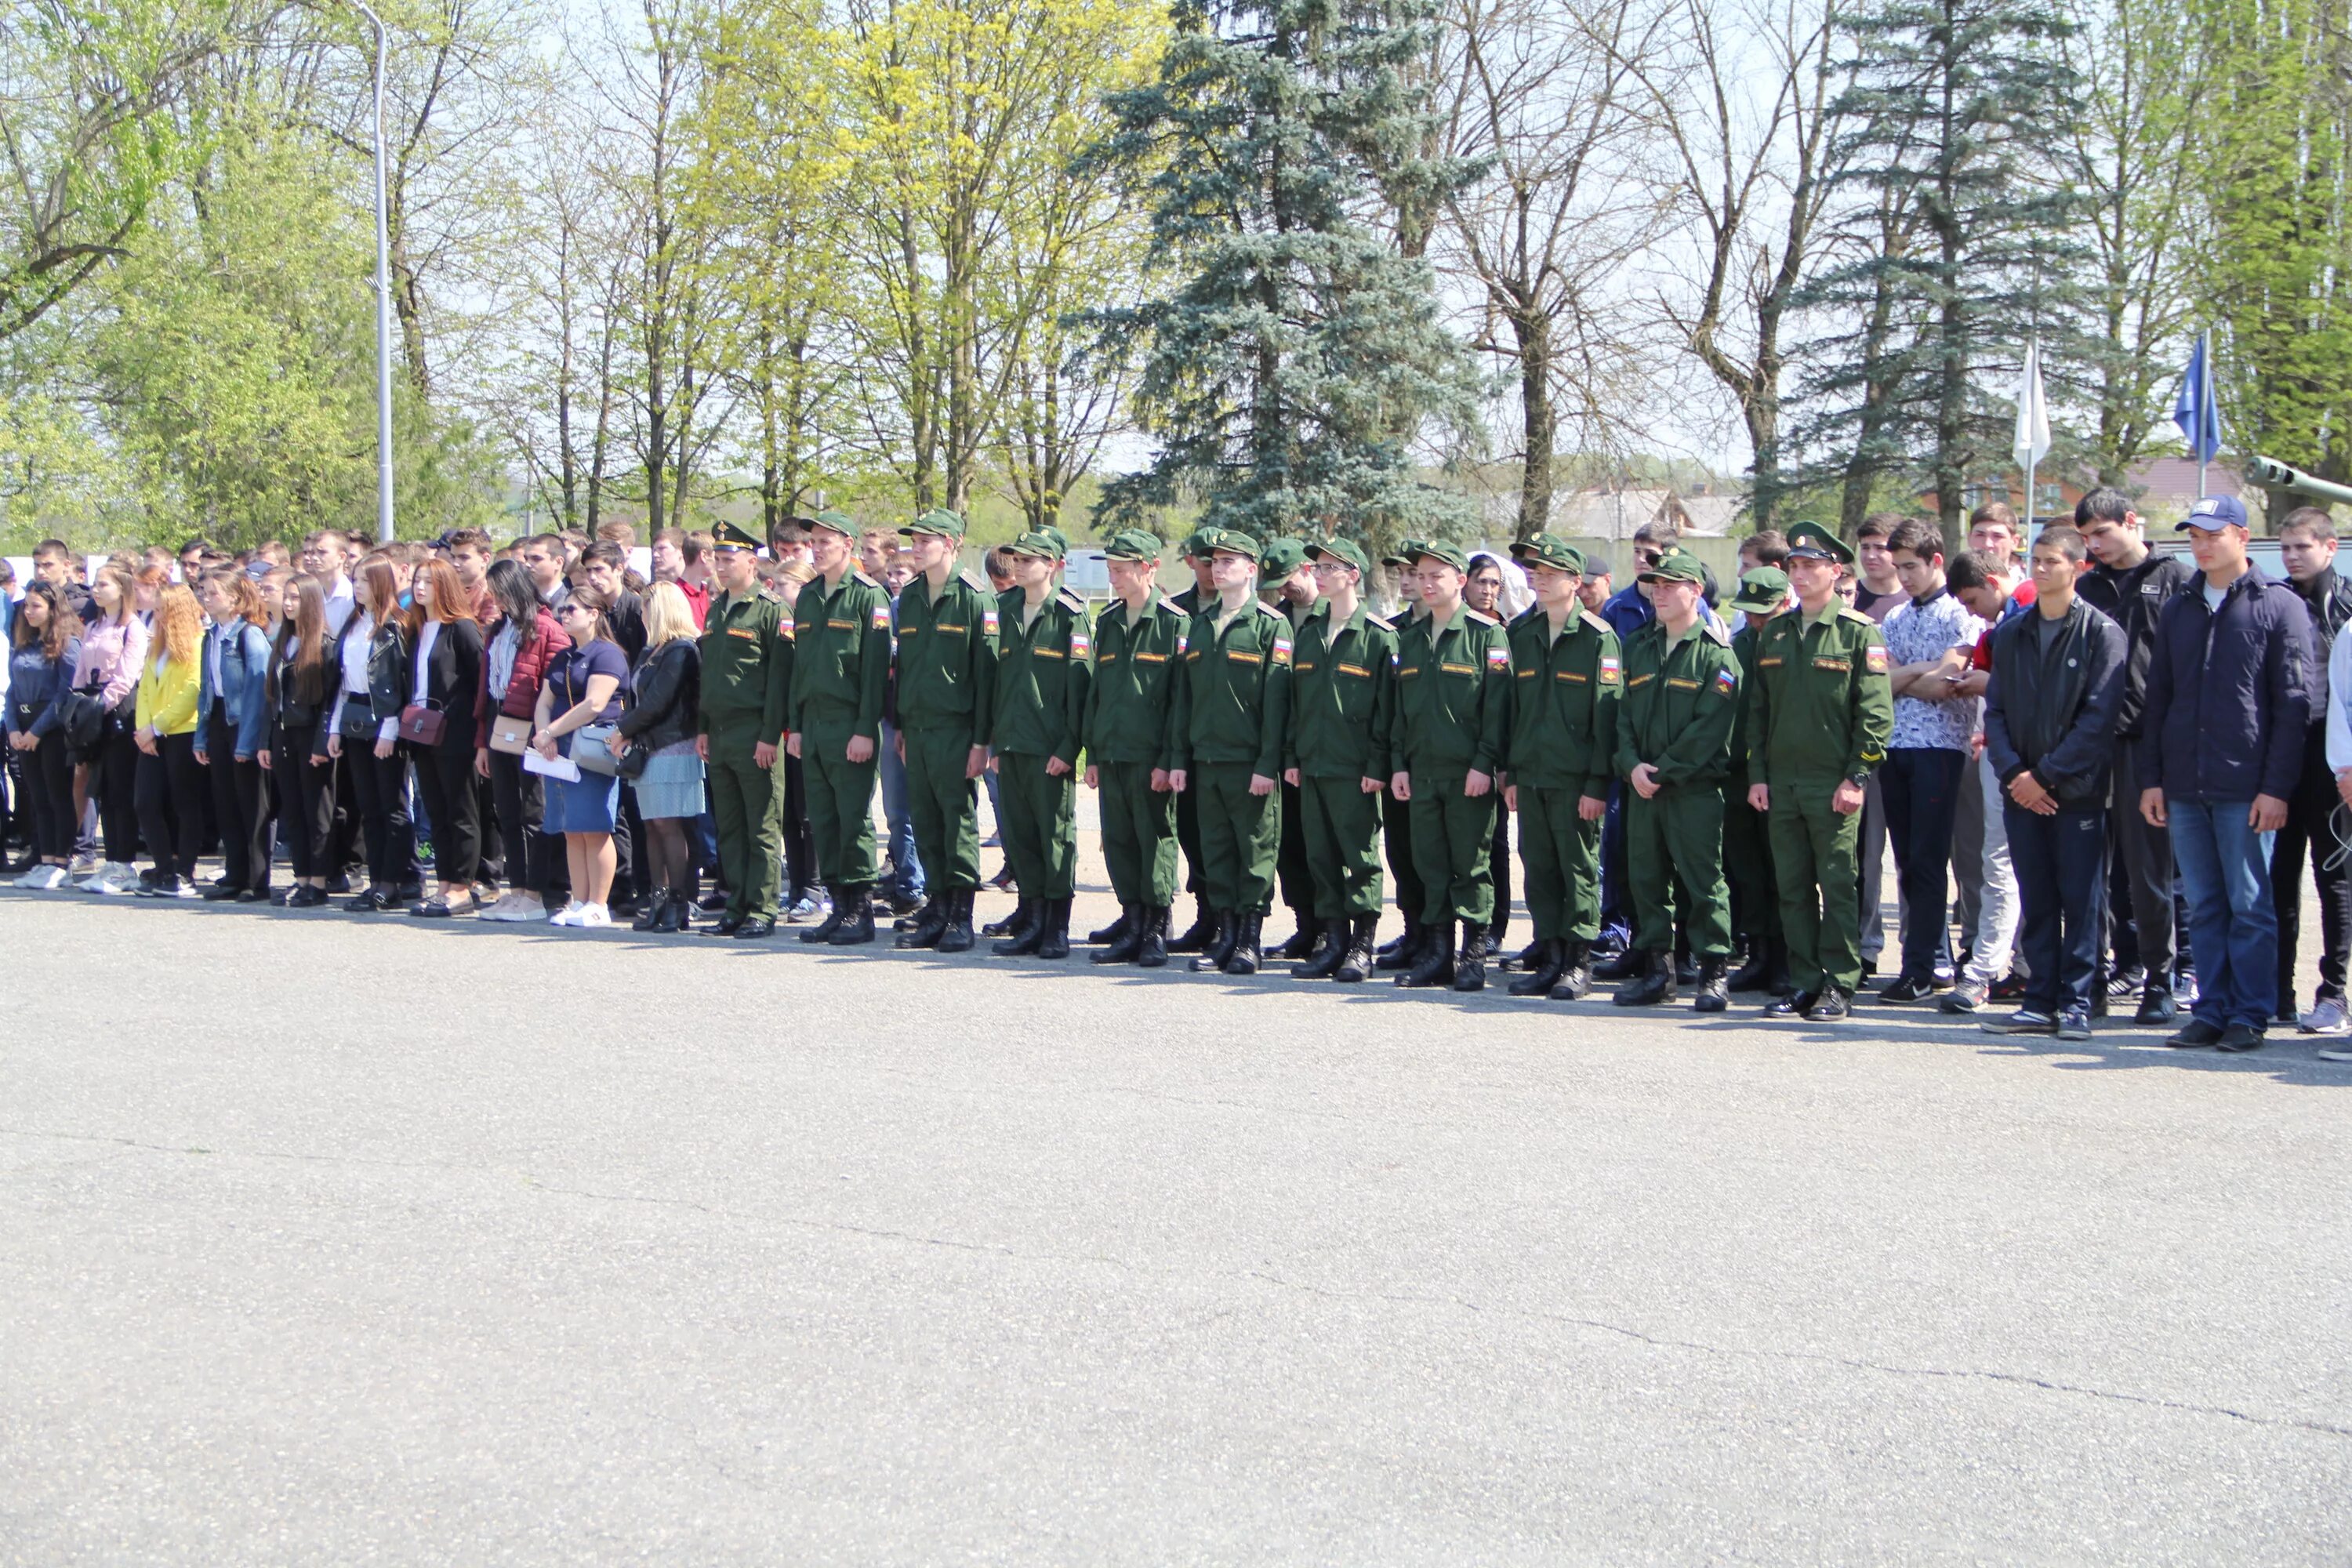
x=1133, y=544
x=835, y=522
x=1762, y=591
x=727, y=536
x=1279, y=559
x=1811, y=541
x=1674, y=566
x=1339, y=550
x=1042, y=542
x=938, y=521
x=1434, y=550
x=1234, y=542
x=1550, y=549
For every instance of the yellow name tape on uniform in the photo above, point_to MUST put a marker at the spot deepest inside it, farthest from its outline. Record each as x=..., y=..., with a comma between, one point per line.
x=1459, y=669
x=1679, y=684
x=1355, y=669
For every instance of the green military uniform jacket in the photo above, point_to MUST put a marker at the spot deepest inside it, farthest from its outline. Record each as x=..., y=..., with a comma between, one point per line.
x=1454, y=695
x=1041, y=677
x=945, y=677
x=1681, y=696
x=1137, y=706
x=1342, y=695
x=1743, y=643
x=1238, y=685
x=841, y=663
x=1565, y=696
x=747, y=665
x=1820, y=710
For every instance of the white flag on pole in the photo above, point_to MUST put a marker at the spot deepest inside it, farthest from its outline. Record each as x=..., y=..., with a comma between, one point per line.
x=2032, y=443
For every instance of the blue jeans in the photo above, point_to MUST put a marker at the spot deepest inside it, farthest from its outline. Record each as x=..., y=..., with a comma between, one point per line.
x=2061, y=864
x=2233, y=929
x=905, y=865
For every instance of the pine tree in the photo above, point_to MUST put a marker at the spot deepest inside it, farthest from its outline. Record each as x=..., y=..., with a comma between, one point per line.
x=1954, y=114
x=1290, y=370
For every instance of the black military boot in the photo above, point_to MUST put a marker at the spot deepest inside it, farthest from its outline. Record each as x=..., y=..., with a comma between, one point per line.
x=1404, y=941
x=1152, y=948
x=1655, y=985
x=1832, y=1006
x=1435, y=964
x=1624, y=966
x=1220, y=947
x=1714, y=994
x=1540, y=980
x=1355, y=962
x=1117, y=931
x=956, y=935
x=1470, y=971
x=1330, y=951
x=929, y=925
x=1755, y=971
x=823, y=930
x=1405, y=952
x=1200, y=932
x=1575, y=970
x=1023, y=938
x=1054, y=939
x=1534, y=955
x=1022, y=909
x=857, y=928
x=1305, y=940
x=1245, y=958
x=1129, y=942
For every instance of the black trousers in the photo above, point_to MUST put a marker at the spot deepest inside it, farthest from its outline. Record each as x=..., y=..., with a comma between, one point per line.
x=376, y=803
x=2060, y=863
x=1498, y=866
x=240, y=808
x=46, y=773
x=114, y=780
x=800, y=844
x=168, y=790
x=445, y=782
x=1922, y=789
x=305, y=800
x=535, y=862
x=2307, y=834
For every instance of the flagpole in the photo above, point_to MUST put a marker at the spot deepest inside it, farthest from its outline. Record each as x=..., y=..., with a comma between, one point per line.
x=2204, y=401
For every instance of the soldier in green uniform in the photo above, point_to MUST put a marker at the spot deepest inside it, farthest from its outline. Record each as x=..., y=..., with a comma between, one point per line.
x=1747, y=846
x=1286, y=581
x=1042, y=664
x=1237, y=679
x=945, y=691
x=841, y=673
x=1567, y=679
x=1673, y=750
x=1819, y=717
x=1454, y=699
x=1135, y=716
x=747, y=675
x=1403, y=951
x=1342, y=704
x=1200, y=554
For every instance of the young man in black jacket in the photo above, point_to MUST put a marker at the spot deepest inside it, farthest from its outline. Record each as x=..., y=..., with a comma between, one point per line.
x=2308, y=550
x=2050, y=724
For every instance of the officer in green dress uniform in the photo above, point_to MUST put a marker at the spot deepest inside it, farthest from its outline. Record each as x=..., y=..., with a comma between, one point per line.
x=1200, y=552
x=1286, y=581
x=1237, y=679
x=1042, y=662
x=1453, y=700
x=1819, y=717
x=841, y=673
x=747, y=675
x=944, y=686
x=1673, y=750
x=1403, y=951
x=1342, y=704
x=1566, y=681
x=1747, y=845
x=1135, y=716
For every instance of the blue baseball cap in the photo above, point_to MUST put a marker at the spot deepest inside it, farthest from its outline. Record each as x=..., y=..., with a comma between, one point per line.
x=2214, y=514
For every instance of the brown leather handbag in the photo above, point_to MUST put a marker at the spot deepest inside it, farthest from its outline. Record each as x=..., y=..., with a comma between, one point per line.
x=423, y=723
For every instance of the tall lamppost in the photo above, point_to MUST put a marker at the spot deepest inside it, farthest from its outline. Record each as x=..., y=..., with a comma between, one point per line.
x=382, y=305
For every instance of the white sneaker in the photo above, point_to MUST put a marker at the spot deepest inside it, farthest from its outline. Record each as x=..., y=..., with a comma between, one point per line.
x=2326, y=1017
x=52, y=878
x=96, y=881
x=83, y=867
x=183, y=888
x=503, y=908
x=569, y=915
x=530, y=910
x=594, y=917
x=117, y=880
x=31, y=878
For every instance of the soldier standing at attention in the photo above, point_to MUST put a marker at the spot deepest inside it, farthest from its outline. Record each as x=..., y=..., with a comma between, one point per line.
x=946, y=691
x=1567, y=679
x=747, y=676
x=1818, y=720
x=841, y=672
x=1200, y=554
x=1287, y=582
x=1342, y=703
x=1396, y=822
x=1134, y=725
x=1746, y=848
x=1042, y=668
x=1237, y=679
x=1454, y=697
x=1674, y=750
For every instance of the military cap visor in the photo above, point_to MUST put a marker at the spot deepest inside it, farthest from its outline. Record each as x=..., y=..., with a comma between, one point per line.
x=2214, y=514
x=1762, y=591
x=1339, y=550
x=1131, y=545
x=1233, y=542
x=727, y=536
x=1674, y=566
x=1811, y=541
x=835, y=522
x=1429, y=550
x=940, y=521
x=1544, y=550
x=1200, y=544
x=1038, y=542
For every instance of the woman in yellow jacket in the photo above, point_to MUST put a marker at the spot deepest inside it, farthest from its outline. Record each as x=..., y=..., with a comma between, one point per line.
x=170, y=788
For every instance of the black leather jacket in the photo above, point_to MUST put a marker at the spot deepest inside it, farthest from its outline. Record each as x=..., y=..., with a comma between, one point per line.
x=665, y=694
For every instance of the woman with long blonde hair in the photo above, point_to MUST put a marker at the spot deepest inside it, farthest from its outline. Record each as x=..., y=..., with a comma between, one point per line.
x=170, y=788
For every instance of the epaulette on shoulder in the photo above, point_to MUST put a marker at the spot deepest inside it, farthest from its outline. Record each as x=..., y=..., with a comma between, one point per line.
x=1848, y=613
x=1071, y=599
x=976, y=583
x=857, y=576
x=1476, y=618
x=1372, y=618
x=1595, y=621
x=1264, y=608
x=1719, y=634
x=1164, y=605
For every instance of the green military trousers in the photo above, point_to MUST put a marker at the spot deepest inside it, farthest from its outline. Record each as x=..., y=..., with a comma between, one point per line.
x=1188, y=837
x=744, y=803
x=1241, y=835
x=1339, y=827
x=1675, y=839
x=942, y=807
x=1561, y=852
x=1748, y=868
x=1452, y=849
x=1138, y=834
x=1813, y=849
x=840, y=804
x=1038, y=820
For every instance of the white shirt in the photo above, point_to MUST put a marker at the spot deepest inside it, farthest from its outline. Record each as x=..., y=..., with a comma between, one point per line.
x=425, y=641
x=354, y=657
x=340, y=605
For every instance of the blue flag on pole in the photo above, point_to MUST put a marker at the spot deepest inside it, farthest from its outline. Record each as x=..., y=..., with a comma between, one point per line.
x=2195, y=411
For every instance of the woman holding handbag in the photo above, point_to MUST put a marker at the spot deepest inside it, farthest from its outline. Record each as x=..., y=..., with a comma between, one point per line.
x=364, y=726
x=297, y=690
x=113, y=650
x=514, y=666
x=661, y=719
x=45, y=645
x=170, y=784
x=446, y=681
x=577, y=706
x=231, y=725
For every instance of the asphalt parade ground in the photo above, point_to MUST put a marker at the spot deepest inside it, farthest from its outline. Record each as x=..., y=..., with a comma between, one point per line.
x=340, y=1240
